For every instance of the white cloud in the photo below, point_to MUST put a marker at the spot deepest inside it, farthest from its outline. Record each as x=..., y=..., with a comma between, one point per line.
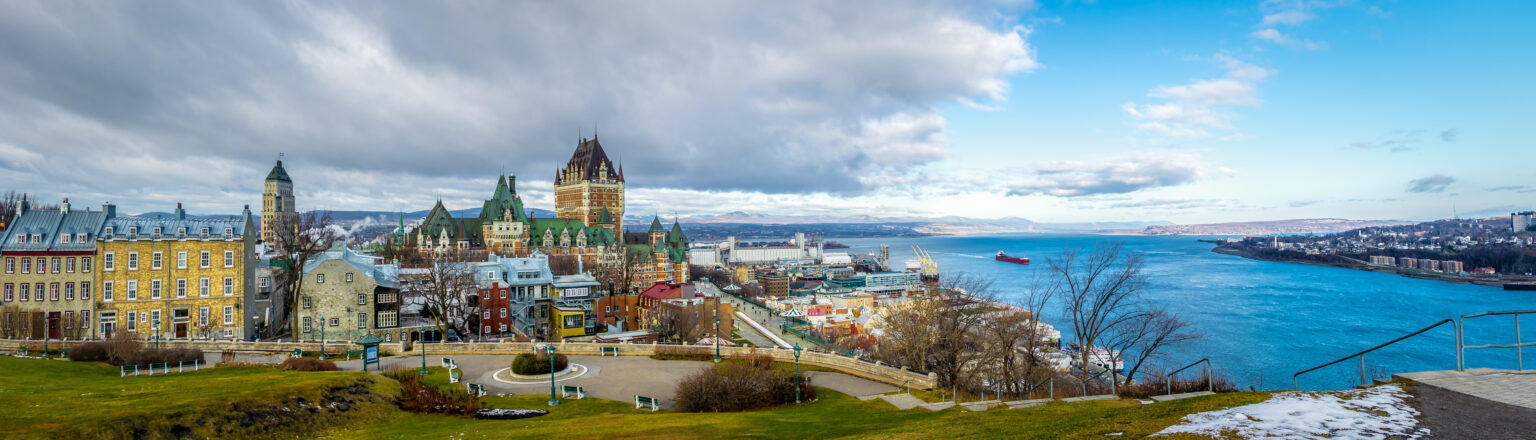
x=1190, y=110
x=1117, y=175
x=1274, y=36
x=1291, y=17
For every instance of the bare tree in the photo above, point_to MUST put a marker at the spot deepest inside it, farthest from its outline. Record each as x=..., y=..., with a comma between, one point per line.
x=447, y=287
x=9, y=201
x=299, y=239
x=1148, y=335
x=563, y=264
x=679, y=324
x=1100, y=291
x=940, y=330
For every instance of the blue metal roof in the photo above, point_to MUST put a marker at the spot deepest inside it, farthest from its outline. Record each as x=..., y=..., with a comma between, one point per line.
x=50, y=224
x=170, y=225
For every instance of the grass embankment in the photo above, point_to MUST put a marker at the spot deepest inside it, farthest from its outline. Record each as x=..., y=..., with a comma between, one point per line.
x=58, y=399
x=61, y=399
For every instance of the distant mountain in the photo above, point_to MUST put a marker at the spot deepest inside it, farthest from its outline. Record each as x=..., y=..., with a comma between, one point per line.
x=349, y=217
x=948, y=225
x=1295, y=226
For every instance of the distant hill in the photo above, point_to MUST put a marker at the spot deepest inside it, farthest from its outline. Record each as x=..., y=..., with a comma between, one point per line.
x=747, y=223
x=1295, y=226
x=349, y=217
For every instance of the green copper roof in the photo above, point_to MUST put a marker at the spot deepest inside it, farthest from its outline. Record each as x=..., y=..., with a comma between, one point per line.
x=278, y=173
x=656, y=225
x=677, y=236
x=604, y=218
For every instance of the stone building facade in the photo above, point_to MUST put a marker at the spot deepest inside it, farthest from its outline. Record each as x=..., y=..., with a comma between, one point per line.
x=195, y=277
x=48, y=285
x=590, y=188
x=346, y=295
x=276, y=203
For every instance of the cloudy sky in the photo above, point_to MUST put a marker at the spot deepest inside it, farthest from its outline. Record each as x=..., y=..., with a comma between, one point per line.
x=1048, y=110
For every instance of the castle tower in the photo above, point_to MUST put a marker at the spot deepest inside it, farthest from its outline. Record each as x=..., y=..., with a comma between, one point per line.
x=588, y=186
x=276, y=202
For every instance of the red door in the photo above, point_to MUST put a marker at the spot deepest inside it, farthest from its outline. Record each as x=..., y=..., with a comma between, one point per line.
x=53, y=325
x=181, y=330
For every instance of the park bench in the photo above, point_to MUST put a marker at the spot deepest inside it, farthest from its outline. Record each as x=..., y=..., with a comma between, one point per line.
x=641, y=402
x=350, y=353
x=572, y=390
x=607, y=350
x=453, y=376
x=123, y=370
x=25, y=351
x=476, y=390
x=449, y=364
x=296, y=353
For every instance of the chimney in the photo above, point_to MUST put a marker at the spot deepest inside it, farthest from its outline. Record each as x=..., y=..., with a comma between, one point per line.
x=109, y=208
x=64, y=206
x=22, y=209
x=180, y=213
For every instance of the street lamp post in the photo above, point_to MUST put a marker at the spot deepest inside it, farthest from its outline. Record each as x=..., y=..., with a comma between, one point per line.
x=551, y=349
x=322, y=338
x=717, y=337
x=421, y=340
x=797, y=373
x=157, y=334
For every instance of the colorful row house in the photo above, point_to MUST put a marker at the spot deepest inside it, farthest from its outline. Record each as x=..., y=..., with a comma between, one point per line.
x=49, y=280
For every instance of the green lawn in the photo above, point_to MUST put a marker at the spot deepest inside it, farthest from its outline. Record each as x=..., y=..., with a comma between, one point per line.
x=44, y=398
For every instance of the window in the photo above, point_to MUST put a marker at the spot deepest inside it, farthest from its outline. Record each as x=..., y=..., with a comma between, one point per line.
x=154, y=289
x=335, y=322
x=156, y=231
x=362, y=299
x=85, y=264
x=229, y=233
x=53, y=291
x=207, y=259
x=37, y=238
x=362, y=320
x=229, y=315
x=319, y=278
x=133, y=261
x=181, y=259
x=306, y=302
x=108, y=261
x=154, y=261
x=229, y=258
x=265, y=283
x=26, y=265
x=487, y=315
x=307, y=325
x=349, y=277
x=21, y=238
x=133, y=320
x=503, y=312
x=108, y=232
x=181, y=287
x=229, y=286
x=106, y=290
x=202, y=316
x=85, y=290
x=205, y=232
x=10, y=292
x=202, y=287
x=26, y=293
x=181, y=232
x=10, y=265
x=133, y=290
x=154, y=319
x=69, y=265
x=85, y=319
x=69, y=291
x=389, y=319
x=487, y=330
x=133, y=231
x=56, y=264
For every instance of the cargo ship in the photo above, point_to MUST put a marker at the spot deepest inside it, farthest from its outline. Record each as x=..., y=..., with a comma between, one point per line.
x=1007, y=259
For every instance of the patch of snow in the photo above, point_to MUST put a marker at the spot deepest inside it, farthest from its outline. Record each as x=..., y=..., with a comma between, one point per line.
x=1374, y=413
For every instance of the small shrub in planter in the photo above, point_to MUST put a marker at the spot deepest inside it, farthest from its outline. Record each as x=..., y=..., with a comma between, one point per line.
x=535, y=364
x=509, y=414
x=306, y=364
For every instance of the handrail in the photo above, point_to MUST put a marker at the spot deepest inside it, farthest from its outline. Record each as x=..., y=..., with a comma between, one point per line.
x=1295, y=384
x=1518, y=345
x=1209, y=385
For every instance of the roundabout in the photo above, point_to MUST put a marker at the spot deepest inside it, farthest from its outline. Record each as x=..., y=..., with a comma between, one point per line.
x=506, y=376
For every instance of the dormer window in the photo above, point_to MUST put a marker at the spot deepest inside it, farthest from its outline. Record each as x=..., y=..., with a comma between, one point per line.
x=205, y=232
x=21, y=238
x=37, y=238
x=181, y=232
x=229, y=233
x=109, y=232
x=155, y=232
x=133, y=232
x=64, y=238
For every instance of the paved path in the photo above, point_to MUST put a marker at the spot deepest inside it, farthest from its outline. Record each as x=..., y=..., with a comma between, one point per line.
x=610, y=377
x=768, y=319
x=1503, y=386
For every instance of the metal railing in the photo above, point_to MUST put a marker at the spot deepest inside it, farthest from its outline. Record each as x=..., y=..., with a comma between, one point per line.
x=1461, y=358
x=1295, y=384
x=1209, y=384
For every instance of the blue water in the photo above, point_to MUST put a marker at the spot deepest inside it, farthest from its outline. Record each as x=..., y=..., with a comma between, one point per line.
x=1264, y=321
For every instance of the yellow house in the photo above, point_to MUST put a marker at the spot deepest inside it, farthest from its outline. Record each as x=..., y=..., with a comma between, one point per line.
x=179, y=277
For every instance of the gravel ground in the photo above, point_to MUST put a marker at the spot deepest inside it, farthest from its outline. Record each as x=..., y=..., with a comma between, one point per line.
x=1452, y=415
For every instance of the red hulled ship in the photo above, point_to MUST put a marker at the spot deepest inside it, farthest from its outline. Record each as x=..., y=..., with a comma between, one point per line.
x=1007, y=259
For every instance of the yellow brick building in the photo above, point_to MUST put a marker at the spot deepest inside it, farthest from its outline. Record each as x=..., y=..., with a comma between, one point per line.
x=195, y=277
